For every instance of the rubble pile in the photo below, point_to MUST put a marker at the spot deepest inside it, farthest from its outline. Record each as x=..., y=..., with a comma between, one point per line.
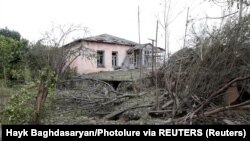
x=202, y=86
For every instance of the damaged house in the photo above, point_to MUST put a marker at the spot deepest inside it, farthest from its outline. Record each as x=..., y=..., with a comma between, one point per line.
x=113, y=53
x=141, y=56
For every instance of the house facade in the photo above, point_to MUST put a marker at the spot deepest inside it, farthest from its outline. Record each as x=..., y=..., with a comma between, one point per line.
x=111, y=53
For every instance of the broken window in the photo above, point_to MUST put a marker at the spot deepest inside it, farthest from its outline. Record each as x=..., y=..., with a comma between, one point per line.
x=137, y=58
x=100, y=58
x=114, y=58
x=147, y=57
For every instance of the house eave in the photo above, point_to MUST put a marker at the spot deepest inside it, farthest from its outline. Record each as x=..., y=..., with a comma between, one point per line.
x=104, y=39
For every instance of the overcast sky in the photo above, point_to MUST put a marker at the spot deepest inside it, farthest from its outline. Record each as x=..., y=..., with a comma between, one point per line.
x=115, y=17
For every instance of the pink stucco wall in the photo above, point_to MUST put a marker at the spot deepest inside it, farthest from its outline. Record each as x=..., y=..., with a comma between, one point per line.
x=84, y=65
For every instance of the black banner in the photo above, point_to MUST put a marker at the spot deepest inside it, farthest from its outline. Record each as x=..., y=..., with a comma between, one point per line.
x=91, y=132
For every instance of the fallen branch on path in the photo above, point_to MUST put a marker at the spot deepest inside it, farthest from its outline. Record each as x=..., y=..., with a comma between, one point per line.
x=219, y=91
x=123, y=96
x=115, y=114
x=241, y=106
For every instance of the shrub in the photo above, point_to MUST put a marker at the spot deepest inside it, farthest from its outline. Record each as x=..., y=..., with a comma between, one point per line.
x=19, y=108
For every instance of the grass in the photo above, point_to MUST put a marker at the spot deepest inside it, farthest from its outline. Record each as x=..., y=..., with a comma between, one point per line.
x=5, y=93
x=16, y=102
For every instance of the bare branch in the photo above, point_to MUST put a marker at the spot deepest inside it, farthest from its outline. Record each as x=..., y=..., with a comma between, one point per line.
x=215, y=18
x=220, y=91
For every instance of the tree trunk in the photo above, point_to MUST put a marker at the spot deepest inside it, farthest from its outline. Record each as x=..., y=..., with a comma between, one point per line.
x=240, y=10
x=40, y=100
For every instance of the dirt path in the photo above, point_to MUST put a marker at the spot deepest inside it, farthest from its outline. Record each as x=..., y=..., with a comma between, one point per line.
x=66, y=110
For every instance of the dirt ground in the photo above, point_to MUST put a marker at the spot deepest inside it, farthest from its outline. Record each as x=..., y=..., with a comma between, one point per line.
x=189, y=91
x=70, y=108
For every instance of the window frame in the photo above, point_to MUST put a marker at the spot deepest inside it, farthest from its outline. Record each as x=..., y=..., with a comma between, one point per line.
x=116, y=54
x=100, y=65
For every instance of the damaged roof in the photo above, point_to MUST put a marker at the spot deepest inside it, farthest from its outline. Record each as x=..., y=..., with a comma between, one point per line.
x=105, y=38
x=141, y=46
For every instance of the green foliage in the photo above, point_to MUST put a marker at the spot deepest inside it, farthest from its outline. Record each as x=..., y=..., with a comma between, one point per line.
x=49, y=76
x=12, y=58
x=27, y=74
x=41, y=56
x=37, y=57
x=20, y=106
x=5, y=91
x=11, y=34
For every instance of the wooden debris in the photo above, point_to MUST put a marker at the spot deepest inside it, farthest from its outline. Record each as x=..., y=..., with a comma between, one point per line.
x=115, y=114
x=167, y=104
x=159, y=113
x=241, y=106
x=232, y=94
x=220, y=91
x=228, y=122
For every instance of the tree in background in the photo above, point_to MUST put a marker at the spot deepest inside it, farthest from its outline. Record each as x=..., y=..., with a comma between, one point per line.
x=53, y=52
x=13, y=50
x=48, y=60
x=52, y=56
x=10, y=33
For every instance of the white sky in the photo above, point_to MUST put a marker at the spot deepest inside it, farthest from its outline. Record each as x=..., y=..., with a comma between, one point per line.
x=115, y=17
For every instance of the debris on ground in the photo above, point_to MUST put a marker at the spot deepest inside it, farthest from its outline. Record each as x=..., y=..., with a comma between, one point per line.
x=214, y=89
x=204, y=87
